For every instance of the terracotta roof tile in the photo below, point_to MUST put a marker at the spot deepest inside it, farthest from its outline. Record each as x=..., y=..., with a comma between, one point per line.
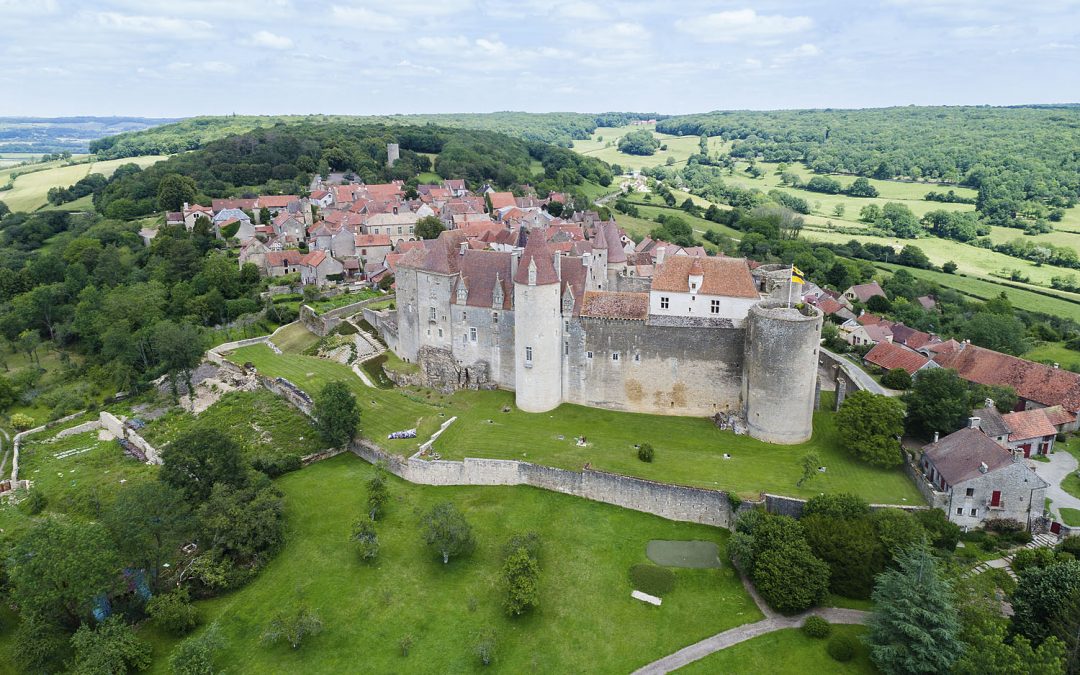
x=866, y=291
x=1027, y=424
x=481, y=273
x=502, y=199
x=1032, y=381
x=888, y=356
x=729, y=277
x=536, y=252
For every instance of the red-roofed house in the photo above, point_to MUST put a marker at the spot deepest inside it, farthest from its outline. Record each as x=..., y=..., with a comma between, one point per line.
x=372, y=248
x=863, y=292
x=501, y=199
x=887, y=356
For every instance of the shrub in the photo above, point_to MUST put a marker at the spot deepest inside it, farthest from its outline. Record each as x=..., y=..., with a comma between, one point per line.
x=405, y=643
x=173, y=612
x=292, y=626
x=645, y=452
x=484, y=646
x=367, y=540
x=1003, y=525
x=275, y=465
x=195, y=655
x=34, y=503
x=521, y=572
x=21, y=421
x=1070, y=545
x=652, y=579
x=897, y=378
x=816, y=627
x=842, y=647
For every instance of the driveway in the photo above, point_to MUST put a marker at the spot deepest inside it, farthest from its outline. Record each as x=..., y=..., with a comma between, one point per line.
x=1061, y=464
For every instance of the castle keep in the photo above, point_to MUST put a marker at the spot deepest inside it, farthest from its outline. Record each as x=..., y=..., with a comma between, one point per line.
x=698, y=338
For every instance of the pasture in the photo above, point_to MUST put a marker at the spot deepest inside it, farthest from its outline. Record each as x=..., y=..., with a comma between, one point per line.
x=678, y=147
x=585, y=621
x=30, y=189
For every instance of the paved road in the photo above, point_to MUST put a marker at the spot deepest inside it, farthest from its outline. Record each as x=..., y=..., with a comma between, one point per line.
x=860, y=376
x=1061, y=464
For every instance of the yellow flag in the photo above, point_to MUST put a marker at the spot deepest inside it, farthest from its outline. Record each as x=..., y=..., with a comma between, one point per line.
x=797, y=275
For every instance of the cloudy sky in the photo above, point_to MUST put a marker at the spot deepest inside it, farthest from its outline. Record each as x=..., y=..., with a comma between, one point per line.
x=173, y=58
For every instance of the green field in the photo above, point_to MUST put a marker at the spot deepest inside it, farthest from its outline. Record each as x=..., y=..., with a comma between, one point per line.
x=1070, y=517
x=679, y=147
x=984, y=290
x=327, y=304
x=1054, y=352
x=30, y=189
x=295, y=338
x=689, y=450
x=783, y=652
x=586, y=620
x=651, y=209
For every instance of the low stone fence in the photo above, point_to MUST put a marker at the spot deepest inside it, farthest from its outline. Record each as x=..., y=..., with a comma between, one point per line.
x=18, y=439
x=674, y=502
x=323, y=324
x=115, y=426
x=215, y=354
x=293, y=394
x=793, y=506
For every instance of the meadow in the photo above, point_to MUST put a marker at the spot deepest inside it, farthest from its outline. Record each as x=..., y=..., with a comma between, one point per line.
x=689, y=450
x=30, y=189
x=604, y=141
x=586, y=620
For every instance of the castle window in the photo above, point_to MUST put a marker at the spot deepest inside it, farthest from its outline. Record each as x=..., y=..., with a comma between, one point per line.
x=494, y=317
x=614, y=356
x=566, y=347
x=714, y=307
x=464, y=316
x=472, y=334
x=588, y=355
x=665, y=302
x=440, y=332
x=960, y=511
x=970, y=492
x=637, y=358
x=693, y=286
x=431, y=313
x=528, y=357
x=974, y=512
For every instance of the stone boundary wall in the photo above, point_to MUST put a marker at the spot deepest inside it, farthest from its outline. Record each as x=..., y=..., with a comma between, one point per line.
x=115, y=426
x=292, y=394
x=674, y=502
x=214, y=354
x=936, y=499
x=837, y=368
x=793, y=506
x=18, y=439
x=322, y=324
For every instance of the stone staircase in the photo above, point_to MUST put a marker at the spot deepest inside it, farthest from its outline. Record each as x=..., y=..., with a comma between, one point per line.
x=367, y=347
x=1005, y=563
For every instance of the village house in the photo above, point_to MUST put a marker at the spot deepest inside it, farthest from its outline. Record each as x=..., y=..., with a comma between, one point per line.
x=317, y=267
x=888, y=356
x=371, y=248
x=976, y=479
x=863, y=292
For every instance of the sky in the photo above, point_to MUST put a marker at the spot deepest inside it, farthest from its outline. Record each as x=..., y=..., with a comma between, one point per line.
x=177, y=58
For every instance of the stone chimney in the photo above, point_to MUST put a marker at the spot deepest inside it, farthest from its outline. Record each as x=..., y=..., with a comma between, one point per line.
x=1056, y=366
x=989, y=402
x=515, y=258
x=974, y=422
x=936, y=436
x=983, y=468
x=558, y=265
x=660, y=254
x=464, y=246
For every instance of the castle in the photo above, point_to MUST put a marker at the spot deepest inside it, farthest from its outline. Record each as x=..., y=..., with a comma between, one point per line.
x=700, y=337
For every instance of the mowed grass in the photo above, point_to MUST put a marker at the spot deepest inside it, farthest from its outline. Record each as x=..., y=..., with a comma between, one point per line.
x=783, y=652
x=30, y=189
x=689, y=450
x=1054, y=352
x=981, y=289
x=679, y=148
x=586, y=620
x=294, y=338
x=1002, y=235
x=1070, y=517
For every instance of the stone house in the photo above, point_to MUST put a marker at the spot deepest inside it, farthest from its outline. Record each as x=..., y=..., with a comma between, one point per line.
x=863, y=292
x=887, y=356
x=317, y=267
x=975, y=479
x=371, y=248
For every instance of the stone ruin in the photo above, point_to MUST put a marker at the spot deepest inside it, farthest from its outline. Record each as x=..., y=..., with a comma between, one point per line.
x=726, y=421
x=442, y=372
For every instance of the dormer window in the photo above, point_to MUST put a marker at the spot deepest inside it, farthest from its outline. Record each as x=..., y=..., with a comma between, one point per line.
x=532, y=272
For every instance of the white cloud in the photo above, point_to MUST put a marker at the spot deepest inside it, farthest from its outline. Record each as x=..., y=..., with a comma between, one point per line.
x=152, y=25
x=743, y=25
x=362, y=17
x=491, y=47
x=409, y=65
x=623, y=36
x=442, y=44
x=975, y=32
x=265, y=38
x=803, y=51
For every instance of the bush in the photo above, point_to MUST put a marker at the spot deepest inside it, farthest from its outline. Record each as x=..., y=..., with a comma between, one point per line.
x=34, y=503
x=275, y=465
x=816, y=627
x=645, y=452
x=652, y=579
x=897, y=378
x=173, y=612
x=21, y=421
x=366, y=540
x=1070, y=545
x=842, y=647
x=1003, y=526
x=195, y=655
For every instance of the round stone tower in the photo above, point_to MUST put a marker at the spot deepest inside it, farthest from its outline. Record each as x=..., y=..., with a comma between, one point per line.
x=537, y=329
x=780, y=371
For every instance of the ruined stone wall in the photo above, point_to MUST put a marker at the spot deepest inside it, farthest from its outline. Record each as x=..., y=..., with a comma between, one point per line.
x=117, y=428
x=669, y=370
x=674, y=502
x=493, y=346
x=628, y=284
x=323, y=324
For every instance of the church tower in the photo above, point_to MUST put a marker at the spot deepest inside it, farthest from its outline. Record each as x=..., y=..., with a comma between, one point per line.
x=537, y=329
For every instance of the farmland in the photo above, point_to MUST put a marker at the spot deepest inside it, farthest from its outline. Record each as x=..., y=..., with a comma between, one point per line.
x=32, y=183
x=602, y=145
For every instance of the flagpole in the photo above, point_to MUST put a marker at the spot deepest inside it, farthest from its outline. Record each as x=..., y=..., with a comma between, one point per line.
x=791, y=284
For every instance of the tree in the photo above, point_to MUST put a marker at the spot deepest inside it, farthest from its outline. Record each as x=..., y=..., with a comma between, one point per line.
x=429, y=227
x=173, y=612
x=196, y=461
x=336, y=414
x=938, y=401
x=112, y=647
x=242, y=523
x=790, y=578
x=521, y=573
x=1002, y=333
x=839, y=505
x=1044, y=600
x=149, y=522
x=810, y=463
x=58, y=567
x=174, y=190
x=898, y=530
x=914, y=626
x=293, y=626
x=949, y=267
x=851, y=549
x=554, y=208
x=4, y=210
x=377, y=492
x=28, y=342
x=862, y=188
x=838, y=210
x=869, y=426
x=484, y=642
x=446, y=532
x=179, y=348
x=641, y=142
x=195, y=655
x=897, y=378
x=366, y=539
x=940, y=532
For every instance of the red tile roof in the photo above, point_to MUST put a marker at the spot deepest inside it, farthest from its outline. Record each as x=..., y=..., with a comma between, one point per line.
x=282, y=258
x=501, y=199
x=276, y=201
x=481, y=273
x=867, y=319
x=878, y=332
x=1058, y=415
x=729, y=277
x=1032, y=381
x=1027, y=424
x=613, y=305
x=888, y=356
x=866, y=291
x=372, y=240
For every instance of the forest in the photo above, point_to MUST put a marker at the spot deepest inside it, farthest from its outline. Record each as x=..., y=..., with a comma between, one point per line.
x=281, y=160
x=559, y=129
x=1023, y=161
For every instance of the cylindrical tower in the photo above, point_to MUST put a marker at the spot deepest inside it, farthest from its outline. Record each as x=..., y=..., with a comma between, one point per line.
x=537, y=329
x=780, y=371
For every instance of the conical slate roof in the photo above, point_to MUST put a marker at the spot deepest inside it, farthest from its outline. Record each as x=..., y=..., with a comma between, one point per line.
x=536, y=252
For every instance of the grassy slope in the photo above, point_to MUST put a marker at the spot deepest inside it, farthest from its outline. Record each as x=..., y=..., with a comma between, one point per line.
x=1054, y=352
x=586, y=620
x=785, y=651
x=295, y=338
x=30, y=189
x=679, y=148
x=689, y=449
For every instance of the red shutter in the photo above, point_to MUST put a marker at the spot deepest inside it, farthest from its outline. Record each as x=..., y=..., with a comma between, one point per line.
x=995, y=499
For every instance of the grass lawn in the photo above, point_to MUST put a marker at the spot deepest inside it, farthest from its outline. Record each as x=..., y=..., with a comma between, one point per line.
x=1070, y=517
x=328, y=304
x=689, y=450
x=651, y=209
x=30, y=189
x=586, y=620
x=1054, y=352
x=1071, y=484
x=784, y=651
x=833, y=600
x=263, y=423
x=295, y=338
x=679, y=148
x=982, y=289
